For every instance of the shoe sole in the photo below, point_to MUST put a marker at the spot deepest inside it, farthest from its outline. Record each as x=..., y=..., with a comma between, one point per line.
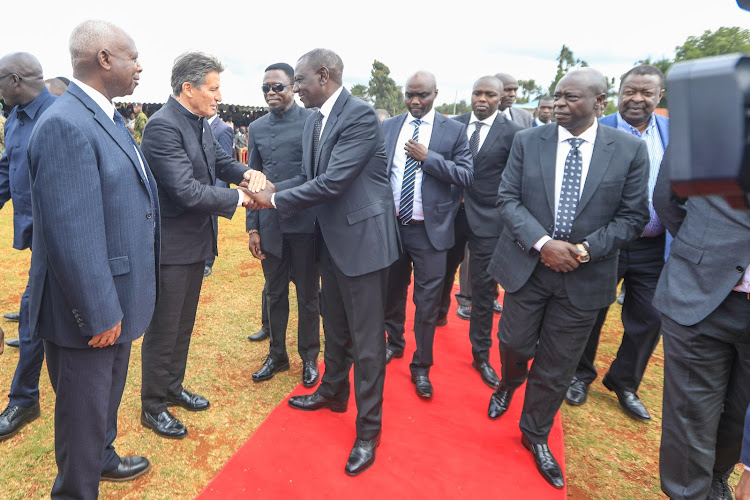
x=126, y=479
x=574, y=403
x=361, y=469
x=269, y=377
x=10, y=435
x=188, y=408
x=251, y=339
x=147, y=426
x=335, y=408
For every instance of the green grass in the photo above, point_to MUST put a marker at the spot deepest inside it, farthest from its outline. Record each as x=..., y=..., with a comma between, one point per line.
x=608, y=455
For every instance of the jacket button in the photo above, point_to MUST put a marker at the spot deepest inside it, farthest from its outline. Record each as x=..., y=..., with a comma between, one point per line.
x=740, y=269
x=148, y=215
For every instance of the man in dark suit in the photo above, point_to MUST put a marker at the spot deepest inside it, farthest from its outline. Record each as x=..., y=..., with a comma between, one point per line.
x=571, y=196
x=428, y=154
x=517, y=115
x=491, y=135
x=640, y=261
x=186, y=160
x=286, y=247
x=543, y=111
x=24, y=92
x=703, y=296
x=95, y=259
x=224, y=135
x=344, y=162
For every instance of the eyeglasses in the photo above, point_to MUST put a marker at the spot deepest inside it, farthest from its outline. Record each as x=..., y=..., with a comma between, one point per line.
x=276, y=87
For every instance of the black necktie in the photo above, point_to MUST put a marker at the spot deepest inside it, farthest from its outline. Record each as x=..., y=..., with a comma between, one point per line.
x=316, y=134
x=569, y=191
x=474, y=139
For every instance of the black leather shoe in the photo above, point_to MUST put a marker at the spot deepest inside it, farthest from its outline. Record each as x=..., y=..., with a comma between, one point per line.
x=390, y=354
x=577, y=392
x=362, y=456
x=16, y=342
x=720, y=489
x=629, y=401
x=269, y=369
x=545, y=463
x=463, y=312
x=207, y=271
x=310, y=373
x=497, y=307
x=13, y=317
x=499, y=402
x=13, y=418
x=128, y=469
x=315, y=401
x=261, y=334
x=488, y=374
x=442, y=321
x=424, y=387
x=164, y=424
x=189, y=401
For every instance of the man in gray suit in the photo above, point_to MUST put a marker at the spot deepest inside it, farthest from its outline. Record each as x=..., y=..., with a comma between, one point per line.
x=344, y=163
x=286, y=248
x=703, y=296
x=571, y=196
x=93, y=271
x=517, y=115
x=428, y=154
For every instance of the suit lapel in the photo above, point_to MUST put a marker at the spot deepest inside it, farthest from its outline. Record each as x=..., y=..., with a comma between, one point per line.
x=548, y=160
x=600, y=159
x=438, y=130
x=330, y=125
x=206, y=136
x=307, y=143
x=495, y=130
x=393, y=133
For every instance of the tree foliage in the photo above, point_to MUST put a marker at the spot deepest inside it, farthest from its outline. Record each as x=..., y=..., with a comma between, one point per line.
x=360, y=91
x=383, y=91
x=529, y=90
x=722, y=41
x=565, y=62
x=454, y=108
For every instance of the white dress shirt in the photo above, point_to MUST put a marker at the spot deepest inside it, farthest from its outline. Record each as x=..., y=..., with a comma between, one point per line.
x=563, y=148
x=482, y=131
x=399, y=161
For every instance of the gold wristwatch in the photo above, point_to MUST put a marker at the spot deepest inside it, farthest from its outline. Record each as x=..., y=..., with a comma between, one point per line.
x=585, y=257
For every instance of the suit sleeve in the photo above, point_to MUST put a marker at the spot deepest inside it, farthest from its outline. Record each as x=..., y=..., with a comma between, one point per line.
x=459, y=170
x=67, y=192
x=227, y=168
x=162, y=146
x=254, y=161
x=524, y=227
x=632, y=213
x=226, y=139
x=669, y=208
x=4, y=179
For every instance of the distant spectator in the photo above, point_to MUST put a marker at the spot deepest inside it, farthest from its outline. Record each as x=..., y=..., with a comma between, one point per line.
x=518, y=115
x=140, y=122
x=240, y=138
x=383, y=115
x=543, y=111
x=130, y=122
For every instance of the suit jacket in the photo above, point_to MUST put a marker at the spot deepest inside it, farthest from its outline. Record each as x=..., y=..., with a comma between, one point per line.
x=612, y=211
x=348, y=181
x=448, y=164
x=521, y=117
x=275, y=147
x=662, y=125
x=14, y=167
x=708, y=256
x=480, y=200
x=186, y=161
x=96, y=227
x=224, y=134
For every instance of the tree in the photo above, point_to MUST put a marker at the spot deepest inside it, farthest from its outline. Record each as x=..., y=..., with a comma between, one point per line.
x=722, y=41
x=565, y=62
x=360, y=91
x=453, y=108
x=383, y=91
x=529, y=91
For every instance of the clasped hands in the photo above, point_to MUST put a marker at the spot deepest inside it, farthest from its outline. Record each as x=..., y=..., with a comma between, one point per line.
x=257, y=190
x=560, y=256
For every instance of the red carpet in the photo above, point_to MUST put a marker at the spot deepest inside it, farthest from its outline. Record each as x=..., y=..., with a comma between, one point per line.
x=446, y=447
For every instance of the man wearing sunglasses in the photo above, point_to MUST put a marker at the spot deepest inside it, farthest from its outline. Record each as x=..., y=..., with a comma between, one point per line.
x=285, y=247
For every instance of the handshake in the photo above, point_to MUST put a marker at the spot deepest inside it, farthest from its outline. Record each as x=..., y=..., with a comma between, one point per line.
x=256, y=190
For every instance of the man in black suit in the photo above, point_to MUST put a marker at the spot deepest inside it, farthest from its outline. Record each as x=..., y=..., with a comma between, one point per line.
x=93, y=271
x=427, y=155
x=186, y=160
x=517, y=115
x=286, y=248
x=344, y=162
x=490, y=135
x=571, y=196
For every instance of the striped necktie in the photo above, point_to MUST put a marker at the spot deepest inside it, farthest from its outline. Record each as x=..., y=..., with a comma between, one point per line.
x=406, y=205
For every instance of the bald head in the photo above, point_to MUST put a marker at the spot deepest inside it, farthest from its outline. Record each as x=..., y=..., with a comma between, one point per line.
x=425, y=77
x=510, y=87
x=420, y=93
x=590, y=77
x=578, y=96
x=325, y=58
x=22, y=78
x=490, y=81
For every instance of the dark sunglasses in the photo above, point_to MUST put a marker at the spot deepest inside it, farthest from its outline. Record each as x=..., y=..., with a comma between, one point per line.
x=276, y=87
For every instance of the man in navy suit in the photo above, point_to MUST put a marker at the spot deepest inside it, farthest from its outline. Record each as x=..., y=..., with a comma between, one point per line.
x=24, y=92
x=428, y=154
x=224, y=135
x=641, y=260
x=96, y=249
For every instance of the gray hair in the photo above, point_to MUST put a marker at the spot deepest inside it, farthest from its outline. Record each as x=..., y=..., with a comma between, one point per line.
x=192, y=67
x=319, y=58
x=89, y=37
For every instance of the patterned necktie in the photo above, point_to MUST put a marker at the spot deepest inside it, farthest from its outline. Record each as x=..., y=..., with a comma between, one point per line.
x=122, y=128
x=407, y=185
x=316, y=134
x=569, y=191
x=474, y=139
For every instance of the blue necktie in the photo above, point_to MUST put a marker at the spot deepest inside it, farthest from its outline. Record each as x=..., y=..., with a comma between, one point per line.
x=569, y=191
x=406, y=206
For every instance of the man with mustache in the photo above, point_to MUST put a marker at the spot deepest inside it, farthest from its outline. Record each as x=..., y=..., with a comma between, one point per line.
x=641, y=261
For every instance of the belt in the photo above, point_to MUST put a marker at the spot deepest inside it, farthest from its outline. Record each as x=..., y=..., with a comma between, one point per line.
x=414, y=222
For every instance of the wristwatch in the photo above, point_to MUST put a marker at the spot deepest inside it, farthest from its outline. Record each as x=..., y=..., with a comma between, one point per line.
x=584, y=256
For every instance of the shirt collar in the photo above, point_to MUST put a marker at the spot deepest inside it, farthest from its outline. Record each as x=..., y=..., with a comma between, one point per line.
x=327, y=106
x=588, y=135
x=487, y=121
x=32, y=108
x=623, y=125
x=211, y=120
x=429, y=118
x=101, y=101
x=183, y=109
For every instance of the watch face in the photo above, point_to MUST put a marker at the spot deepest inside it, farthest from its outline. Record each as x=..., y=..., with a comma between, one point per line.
x=584, y=258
